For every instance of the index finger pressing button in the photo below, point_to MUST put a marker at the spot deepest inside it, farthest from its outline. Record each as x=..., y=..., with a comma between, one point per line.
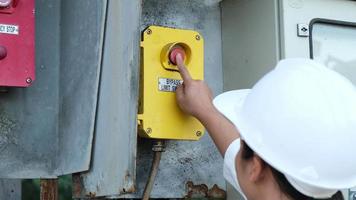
x=174, y=52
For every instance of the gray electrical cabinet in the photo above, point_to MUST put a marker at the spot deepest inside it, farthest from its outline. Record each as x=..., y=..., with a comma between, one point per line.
x=256, y=34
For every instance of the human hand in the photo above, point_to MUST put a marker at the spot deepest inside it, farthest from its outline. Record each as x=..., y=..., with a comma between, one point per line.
x=194, y=97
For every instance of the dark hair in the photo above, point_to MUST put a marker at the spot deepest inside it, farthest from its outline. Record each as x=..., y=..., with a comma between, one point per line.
x=283, y=183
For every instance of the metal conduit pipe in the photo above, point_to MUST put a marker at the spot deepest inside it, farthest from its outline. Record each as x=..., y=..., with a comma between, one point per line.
x=158, y=147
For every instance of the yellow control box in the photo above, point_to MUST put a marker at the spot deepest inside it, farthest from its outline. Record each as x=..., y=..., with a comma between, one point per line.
x=159, y=114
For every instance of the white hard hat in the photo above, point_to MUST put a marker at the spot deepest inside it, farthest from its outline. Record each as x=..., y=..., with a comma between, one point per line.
x=301, y=119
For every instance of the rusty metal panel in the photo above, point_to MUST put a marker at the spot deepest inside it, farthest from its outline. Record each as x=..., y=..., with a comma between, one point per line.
x=46, y=130
x=113, y=164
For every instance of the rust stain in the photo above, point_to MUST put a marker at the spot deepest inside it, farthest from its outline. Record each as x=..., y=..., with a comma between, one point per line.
x=129, y=186
x=130, y=189
x=216, y=192
x=91, y=195
x=77, y=185
x=49, y=189
x=202, y=191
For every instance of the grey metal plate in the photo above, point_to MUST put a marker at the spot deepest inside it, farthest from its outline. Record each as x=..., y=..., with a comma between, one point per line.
x=113, y=168
x=82, y=26
x=10, y=189
x=46, y=130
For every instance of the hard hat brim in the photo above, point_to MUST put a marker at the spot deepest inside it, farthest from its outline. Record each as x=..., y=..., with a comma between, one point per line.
x=230, y=105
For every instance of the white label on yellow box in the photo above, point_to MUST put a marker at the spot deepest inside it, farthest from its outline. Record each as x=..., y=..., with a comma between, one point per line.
x=168, y=84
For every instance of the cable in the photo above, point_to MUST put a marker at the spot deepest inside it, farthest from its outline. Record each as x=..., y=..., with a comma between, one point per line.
x=157, y=148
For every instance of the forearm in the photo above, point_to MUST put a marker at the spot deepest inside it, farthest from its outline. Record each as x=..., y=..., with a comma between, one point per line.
x=221, y=130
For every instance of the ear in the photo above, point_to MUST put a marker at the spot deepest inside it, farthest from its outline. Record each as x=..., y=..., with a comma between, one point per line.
x=257, y=166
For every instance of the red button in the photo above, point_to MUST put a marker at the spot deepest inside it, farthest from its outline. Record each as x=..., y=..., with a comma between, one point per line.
x=174, y=52
x=5, y=3
x=3, y=52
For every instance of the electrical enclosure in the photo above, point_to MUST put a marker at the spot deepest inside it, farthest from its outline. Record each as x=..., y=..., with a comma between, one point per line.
x=17, y=44
x=159, y=114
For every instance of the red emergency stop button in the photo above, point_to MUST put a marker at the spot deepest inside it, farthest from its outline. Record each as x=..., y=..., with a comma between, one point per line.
x=3, y=52
x=5, y=3
x=174, y=52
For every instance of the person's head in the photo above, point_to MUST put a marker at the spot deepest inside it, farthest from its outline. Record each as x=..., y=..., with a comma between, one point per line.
x=255, y=173
x=300, y=122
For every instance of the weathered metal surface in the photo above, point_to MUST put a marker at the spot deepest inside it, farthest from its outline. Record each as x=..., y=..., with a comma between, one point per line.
x=46, y=130
x=10, y=189
x=113, y=175
x=49, y=189
x=113, y=164
x=28, y=116
x=185, y=161
x=82, y=26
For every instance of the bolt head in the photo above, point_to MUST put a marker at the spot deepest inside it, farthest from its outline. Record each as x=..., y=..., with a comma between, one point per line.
x=28, y=80
x=149, y=31
x=198, y=133
x=148, y=130
x=5, y=3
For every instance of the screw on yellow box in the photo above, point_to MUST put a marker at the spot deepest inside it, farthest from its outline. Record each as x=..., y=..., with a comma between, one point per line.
x=159, y=116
